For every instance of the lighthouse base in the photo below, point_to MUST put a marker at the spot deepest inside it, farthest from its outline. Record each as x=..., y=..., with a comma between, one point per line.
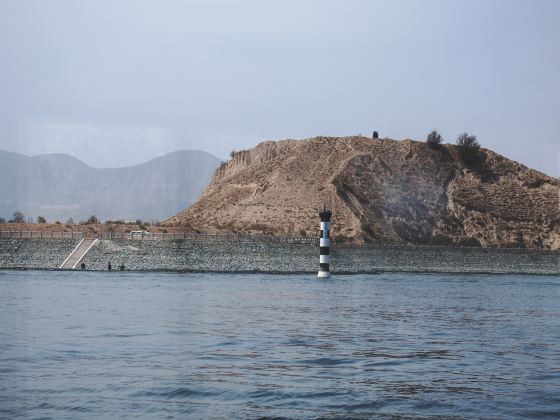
x=323, y=274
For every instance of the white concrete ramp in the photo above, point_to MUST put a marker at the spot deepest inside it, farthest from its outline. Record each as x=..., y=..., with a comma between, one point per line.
x=79, y=252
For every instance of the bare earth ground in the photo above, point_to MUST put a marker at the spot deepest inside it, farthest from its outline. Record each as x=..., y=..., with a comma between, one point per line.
x=88, y=229
x=380, y=191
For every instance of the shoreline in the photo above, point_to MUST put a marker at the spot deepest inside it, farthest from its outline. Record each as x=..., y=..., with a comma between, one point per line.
x=285, y=273
x=185, y=256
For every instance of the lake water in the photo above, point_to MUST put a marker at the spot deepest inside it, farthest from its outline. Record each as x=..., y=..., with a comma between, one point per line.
x=90, y=344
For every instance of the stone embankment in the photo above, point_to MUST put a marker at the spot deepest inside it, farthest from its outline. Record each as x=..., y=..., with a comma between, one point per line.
x=35, y=253
x=223, y=256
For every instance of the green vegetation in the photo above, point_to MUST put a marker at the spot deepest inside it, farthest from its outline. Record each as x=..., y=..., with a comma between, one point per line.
x=41, y=219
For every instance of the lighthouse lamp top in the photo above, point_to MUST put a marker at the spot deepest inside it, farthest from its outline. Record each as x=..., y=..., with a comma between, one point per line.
x=325, y=215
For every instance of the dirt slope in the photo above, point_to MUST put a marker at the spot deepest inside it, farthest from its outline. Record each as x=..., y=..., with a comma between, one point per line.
x=381, y=191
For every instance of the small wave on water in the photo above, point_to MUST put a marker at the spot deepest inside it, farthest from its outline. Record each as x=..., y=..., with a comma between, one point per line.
x=178, y=392
x=325, y=361
x=122, y=335
x=83, y=345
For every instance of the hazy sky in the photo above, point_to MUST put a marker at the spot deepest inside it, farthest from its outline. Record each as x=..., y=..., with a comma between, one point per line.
x=120, y=81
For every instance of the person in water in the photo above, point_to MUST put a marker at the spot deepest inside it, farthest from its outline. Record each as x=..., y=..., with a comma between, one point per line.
x=83, y=266
x=109, y=266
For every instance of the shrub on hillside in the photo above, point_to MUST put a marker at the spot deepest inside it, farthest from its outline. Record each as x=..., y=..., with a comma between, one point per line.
x=469, y=147
x=434, y=139
x=2, y=220
x=520, y=239
x=469, y=243
x=368, y=234
x=70, y=221
x=41, y=219
x=93, y=220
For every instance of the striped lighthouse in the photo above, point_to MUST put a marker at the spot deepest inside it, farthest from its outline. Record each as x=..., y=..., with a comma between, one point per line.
x=325, y=243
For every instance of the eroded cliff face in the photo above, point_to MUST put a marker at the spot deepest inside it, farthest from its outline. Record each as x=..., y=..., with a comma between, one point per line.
x=381, y=191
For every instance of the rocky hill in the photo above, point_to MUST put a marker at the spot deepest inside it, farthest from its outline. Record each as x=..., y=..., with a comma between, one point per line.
x=381, y=191
x=59, y=186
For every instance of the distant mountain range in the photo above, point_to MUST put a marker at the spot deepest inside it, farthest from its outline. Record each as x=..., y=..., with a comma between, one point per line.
x=59, y=186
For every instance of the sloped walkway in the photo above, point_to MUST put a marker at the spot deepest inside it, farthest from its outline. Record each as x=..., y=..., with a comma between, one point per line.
x=78, y=253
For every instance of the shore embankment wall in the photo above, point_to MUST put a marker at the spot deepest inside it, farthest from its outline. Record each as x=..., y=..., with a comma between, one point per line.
x=35, y=253
x=233, y=256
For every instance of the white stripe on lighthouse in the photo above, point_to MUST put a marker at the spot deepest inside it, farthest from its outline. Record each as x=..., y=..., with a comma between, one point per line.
x=324, y=242
x=324, y=259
